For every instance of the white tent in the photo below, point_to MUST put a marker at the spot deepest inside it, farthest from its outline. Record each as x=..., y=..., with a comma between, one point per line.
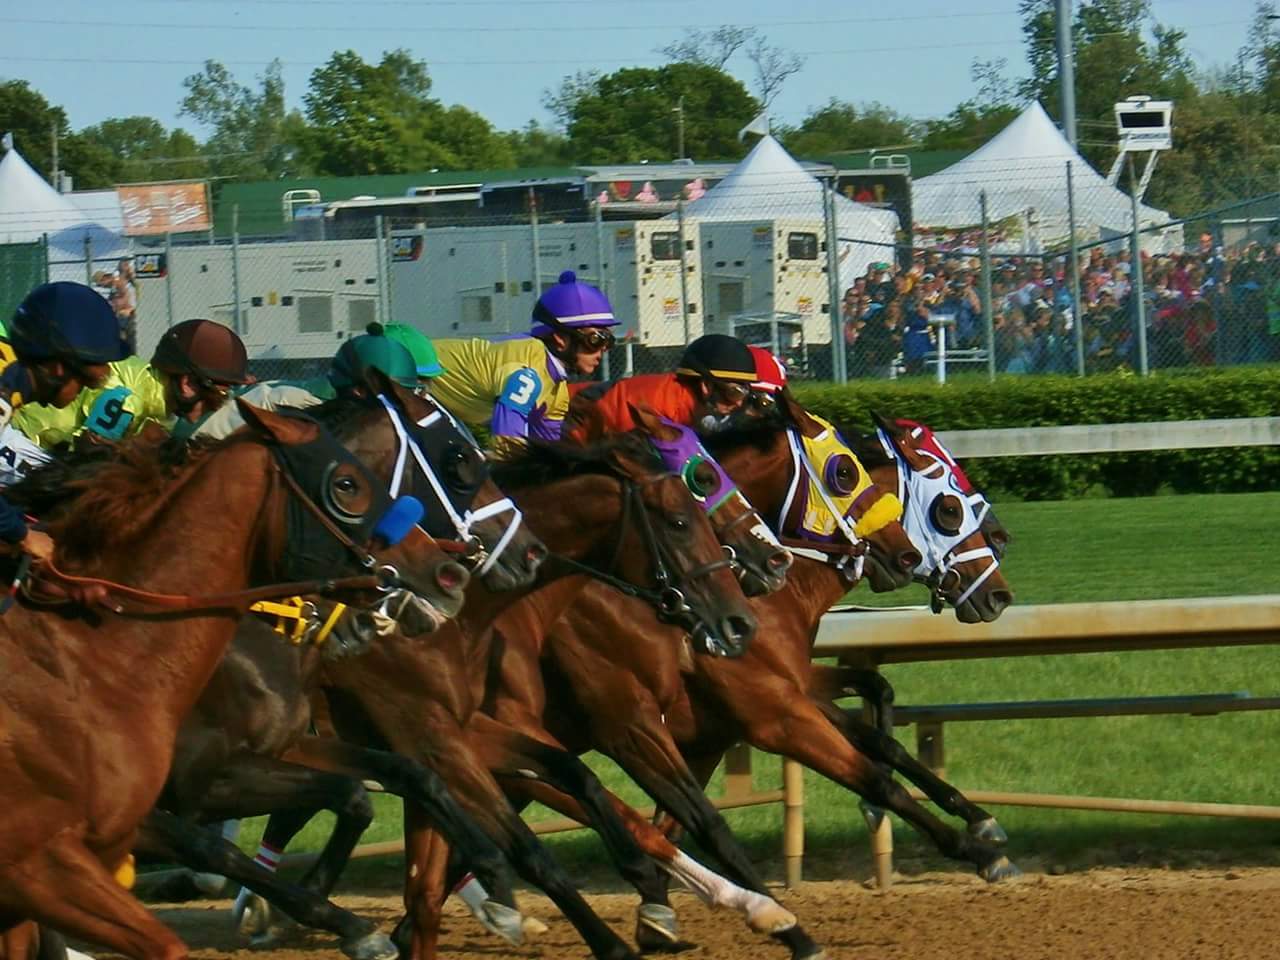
x=30, y=209
x=770, y=185
x=1023, y=170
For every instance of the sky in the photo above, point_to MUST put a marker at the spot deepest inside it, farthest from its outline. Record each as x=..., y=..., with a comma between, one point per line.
x=497, y=56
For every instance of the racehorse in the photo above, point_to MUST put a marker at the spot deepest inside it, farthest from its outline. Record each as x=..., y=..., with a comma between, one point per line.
x=91, y=702
x=613, y=511
x=256, y=708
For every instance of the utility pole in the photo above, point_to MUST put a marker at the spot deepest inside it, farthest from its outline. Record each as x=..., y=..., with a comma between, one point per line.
x=54, y=178
x=680, y=129
x=1066, y=70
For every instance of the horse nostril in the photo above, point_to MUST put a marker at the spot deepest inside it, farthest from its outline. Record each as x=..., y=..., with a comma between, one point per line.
x=451, y=577
x=737, y=629
x=999, y=599
x=780, y=562
x=909, y=559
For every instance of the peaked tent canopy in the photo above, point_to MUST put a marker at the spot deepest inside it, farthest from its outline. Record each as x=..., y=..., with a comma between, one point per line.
x=770, y=185
x=1023, y=170
x=30, y=209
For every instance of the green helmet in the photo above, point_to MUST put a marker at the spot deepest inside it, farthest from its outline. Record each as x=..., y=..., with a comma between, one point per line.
x=347, y=370
x=418, y=344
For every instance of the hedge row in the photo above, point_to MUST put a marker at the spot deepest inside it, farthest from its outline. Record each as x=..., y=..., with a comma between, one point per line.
x=1106, y=398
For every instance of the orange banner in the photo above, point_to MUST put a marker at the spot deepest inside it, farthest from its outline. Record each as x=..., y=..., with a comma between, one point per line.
x=164, y=208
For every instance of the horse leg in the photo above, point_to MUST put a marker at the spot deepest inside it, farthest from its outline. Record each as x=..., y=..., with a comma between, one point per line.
x=785, y=722
x=256, y=785
x=426, y=859
x=885, y=749
x=417, y=784
x=164, y=835
x=63, y=885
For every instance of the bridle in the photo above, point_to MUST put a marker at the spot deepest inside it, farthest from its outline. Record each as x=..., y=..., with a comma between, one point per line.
x=918, y=489
x=461, y=520
x=849, y=557
x=669, y=595
x=383, y=578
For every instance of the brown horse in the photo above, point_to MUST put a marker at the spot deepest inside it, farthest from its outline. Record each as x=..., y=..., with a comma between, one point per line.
x=227, y=759
x=614, y=511
x=764, y=698
x=91, y=704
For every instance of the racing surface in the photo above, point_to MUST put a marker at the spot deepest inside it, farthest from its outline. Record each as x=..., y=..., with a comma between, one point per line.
x=1102, y=914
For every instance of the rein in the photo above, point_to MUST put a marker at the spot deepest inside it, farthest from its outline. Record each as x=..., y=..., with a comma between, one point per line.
x=97, y=590
x=668, y=597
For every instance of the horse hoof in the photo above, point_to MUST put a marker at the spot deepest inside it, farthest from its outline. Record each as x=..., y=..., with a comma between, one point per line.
x=502, y=921
x=999, y=869
x=989, y=831
x=533, y=927
x=372, y=946
x=770, y=918
x=658, y=931
x=251, y=914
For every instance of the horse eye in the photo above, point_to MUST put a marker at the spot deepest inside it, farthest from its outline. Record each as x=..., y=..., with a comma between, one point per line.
x=678, y=523
x=345, y=485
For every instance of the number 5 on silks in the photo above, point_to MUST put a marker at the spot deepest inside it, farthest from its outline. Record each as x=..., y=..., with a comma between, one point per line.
x=521, y=391
x=108, y=417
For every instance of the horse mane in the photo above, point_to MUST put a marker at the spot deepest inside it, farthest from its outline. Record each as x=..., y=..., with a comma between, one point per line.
x=865, y=445
x=541, y=463
x=99, y=497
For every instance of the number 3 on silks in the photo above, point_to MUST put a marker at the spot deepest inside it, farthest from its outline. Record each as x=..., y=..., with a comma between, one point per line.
x=520, y=392
x=107, y=417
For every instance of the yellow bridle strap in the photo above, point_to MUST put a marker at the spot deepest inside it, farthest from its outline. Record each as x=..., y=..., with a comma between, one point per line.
x=338, y=610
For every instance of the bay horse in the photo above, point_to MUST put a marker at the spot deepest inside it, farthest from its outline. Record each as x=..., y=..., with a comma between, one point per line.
x=769, y=698
x=90, y=703
x=612, y=511
x=227, y=761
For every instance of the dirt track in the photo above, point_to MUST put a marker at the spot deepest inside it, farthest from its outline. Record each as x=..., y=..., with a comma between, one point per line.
x=1115, y=913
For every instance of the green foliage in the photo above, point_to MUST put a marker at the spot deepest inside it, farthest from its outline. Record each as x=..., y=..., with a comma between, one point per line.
x=534, y=145
x=1110, y=398
x=141, y=149
x=628, y=116
x=838, y=126
x=381, y=118
x=254, y=135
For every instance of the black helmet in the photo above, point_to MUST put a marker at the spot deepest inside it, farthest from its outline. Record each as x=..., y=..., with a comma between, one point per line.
x=210, y=350
x=720, y=357
x=65, y=321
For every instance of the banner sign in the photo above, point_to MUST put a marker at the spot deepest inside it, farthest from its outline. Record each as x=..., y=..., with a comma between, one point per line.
x=158, y=208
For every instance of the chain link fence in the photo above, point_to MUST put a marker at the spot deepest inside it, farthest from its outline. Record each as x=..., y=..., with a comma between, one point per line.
x=1008, y=269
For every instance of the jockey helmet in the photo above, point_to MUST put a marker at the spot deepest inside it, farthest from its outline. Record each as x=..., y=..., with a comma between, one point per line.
x=372, y=350
x=206, y=349
x=771, y=373
x=65, y=321
x=416, y=342
x=569, y=305
x=715, y=356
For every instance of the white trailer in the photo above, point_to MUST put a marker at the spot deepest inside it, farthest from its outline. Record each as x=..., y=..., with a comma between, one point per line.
x=484, y=281
x=298, y=300
x=764, y=268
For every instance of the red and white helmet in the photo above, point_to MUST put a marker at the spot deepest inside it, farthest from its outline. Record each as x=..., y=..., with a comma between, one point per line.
x=771, y=373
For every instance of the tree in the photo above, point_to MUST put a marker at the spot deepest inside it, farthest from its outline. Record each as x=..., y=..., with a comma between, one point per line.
x=712, y=48
x=839, y=126
x=561, y=101
x=381, y=118
x=973, y=122
x=254, y=135
x=141, y=149
x=32, y=120
x=773, y=66
x=630, y=115
x=536, y=146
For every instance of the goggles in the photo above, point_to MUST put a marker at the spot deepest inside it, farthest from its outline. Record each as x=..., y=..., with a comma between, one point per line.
x=728, y=393
x=592, y=339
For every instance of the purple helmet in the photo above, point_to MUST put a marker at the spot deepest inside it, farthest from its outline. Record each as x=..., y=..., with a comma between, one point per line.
x=571, y=304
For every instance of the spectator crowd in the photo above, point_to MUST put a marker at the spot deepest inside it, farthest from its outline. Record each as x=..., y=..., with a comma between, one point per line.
x=1206, y=306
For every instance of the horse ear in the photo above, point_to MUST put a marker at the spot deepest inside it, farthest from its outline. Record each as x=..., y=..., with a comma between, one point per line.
x=799, y=416
x=379, y=384
x=648, y=420
x=286, y=431
x=887, y=425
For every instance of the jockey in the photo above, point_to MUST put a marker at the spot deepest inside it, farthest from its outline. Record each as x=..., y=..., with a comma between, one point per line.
x=60, y=341
x=369, y=350
x=200, y=363
x=770, y=381
x=518, y=388
x=712, y=381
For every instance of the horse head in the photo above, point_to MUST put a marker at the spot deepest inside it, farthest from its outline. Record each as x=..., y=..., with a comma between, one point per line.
x=748, y=542
x=959, y=539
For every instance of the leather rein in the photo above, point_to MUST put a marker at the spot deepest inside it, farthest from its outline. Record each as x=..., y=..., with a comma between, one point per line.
x=137, y=602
